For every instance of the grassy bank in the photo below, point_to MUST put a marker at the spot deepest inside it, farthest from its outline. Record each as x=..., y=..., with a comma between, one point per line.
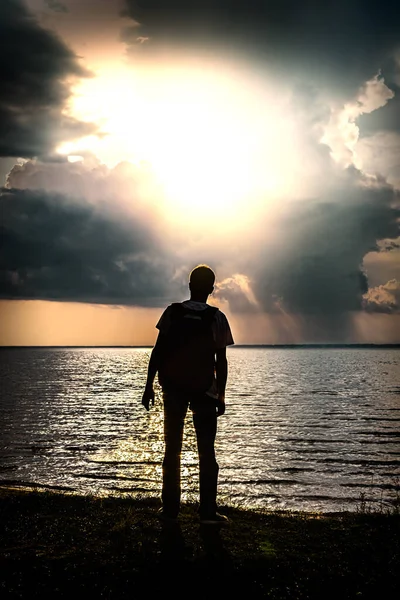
x=55, y=544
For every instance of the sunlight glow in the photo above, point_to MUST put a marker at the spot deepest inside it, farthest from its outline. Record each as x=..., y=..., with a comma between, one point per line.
x=214, y=143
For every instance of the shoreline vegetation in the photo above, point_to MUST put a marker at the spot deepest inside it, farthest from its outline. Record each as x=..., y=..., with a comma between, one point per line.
x=55, y=544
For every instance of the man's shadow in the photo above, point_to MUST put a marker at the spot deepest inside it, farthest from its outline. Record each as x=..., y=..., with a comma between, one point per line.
x=172, y=543
x=175, y=549
x=213, y=544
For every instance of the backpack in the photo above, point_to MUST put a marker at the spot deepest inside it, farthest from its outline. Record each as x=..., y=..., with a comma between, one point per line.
x=188, y=361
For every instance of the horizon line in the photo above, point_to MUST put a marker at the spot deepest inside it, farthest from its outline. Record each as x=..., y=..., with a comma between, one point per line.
x=301, y=345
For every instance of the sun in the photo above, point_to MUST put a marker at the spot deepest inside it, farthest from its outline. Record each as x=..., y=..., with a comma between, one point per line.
x=216, y=144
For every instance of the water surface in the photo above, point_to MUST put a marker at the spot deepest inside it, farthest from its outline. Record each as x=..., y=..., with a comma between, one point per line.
x=308, y=429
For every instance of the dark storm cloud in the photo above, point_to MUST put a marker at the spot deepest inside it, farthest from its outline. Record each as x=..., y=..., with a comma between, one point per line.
x=61, y=246
x=54, y=247
x=317, y=267
x=348, y=39
x=34, y=64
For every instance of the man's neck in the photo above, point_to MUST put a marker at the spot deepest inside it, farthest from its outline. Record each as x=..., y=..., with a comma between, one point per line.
x=198, y=298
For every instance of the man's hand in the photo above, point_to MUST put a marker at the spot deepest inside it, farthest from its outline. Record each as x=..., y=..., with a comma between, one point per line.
x=220, y=405
x=148, y=397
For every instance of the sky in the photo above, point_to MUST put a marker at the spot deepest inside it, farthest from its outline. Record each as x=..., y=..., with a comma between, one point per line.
x=141, y=138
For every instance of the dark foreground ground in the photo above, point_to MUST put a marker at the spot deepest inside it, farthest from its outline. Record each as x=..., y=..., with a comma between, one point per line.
x=54, y=545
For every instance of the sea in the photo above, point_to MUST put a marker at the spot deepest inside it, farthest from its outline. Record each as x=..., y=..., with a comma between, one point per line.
x=314, y=429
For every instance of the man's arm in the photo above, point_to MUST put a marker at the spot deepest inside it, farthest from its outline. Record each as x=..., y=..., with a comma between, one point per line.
x=221, y=369
x=154, y=363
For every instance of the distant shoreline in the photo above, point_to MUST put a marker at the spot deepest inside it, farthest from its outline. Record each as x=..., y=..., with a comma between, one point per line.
x=269, y=346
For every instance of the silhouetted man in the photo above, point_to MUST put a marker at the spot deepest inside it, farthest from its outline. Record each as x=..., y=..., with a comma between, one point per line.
x=190, y=358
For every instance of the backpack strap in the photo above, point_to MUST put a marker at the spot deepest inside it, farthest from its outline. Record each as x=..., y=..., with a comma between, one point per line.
x=177, y=310
x=210, y=313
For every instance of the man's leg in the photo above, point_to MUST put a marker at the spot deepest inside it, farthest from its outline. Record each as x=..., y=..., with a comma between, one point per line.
x=205, y=423
x=175, y=407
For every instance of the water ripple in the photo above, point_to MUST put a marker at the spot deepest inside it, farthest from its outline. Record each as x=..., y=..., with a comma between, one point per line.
x=307, y=429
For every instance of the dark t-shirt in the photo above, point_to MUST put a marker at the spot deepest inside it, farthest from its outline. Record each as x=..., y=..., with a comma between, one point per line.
x=220, y=328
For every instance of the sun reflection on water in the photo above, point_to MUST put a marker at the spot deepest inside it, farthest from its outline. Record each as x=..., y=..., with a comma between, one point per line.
x=303, y=429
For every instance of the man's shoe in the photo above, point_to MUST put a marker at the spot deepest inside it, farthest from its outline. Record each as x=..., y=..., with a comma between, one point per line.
x=215, y=519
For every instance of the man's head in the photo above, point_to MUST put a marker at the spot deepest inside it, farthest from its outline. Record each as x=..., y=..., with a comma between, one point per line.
x=201, y=280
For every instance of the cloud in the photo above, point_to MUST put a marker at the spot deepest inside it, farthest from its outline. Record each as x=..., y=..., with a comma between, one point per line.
x=237, y=291
x=310, y=259
x=383, y=264
x=56, y=6
x=315, y=267
x=303, y=257
x=383, y=298
x=386, y=119
x=35, y=67
x=341, y=133
x=124, y=189
x=97, y=234
x=389, y=245
x=377, y=154
x=350, y=40
x=81, y=232
x=372, y=95
x=380, y=154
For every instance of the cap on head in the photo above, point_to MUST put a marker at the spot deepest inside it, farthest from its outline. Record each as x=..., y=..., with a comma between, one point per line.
x=202, y=279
